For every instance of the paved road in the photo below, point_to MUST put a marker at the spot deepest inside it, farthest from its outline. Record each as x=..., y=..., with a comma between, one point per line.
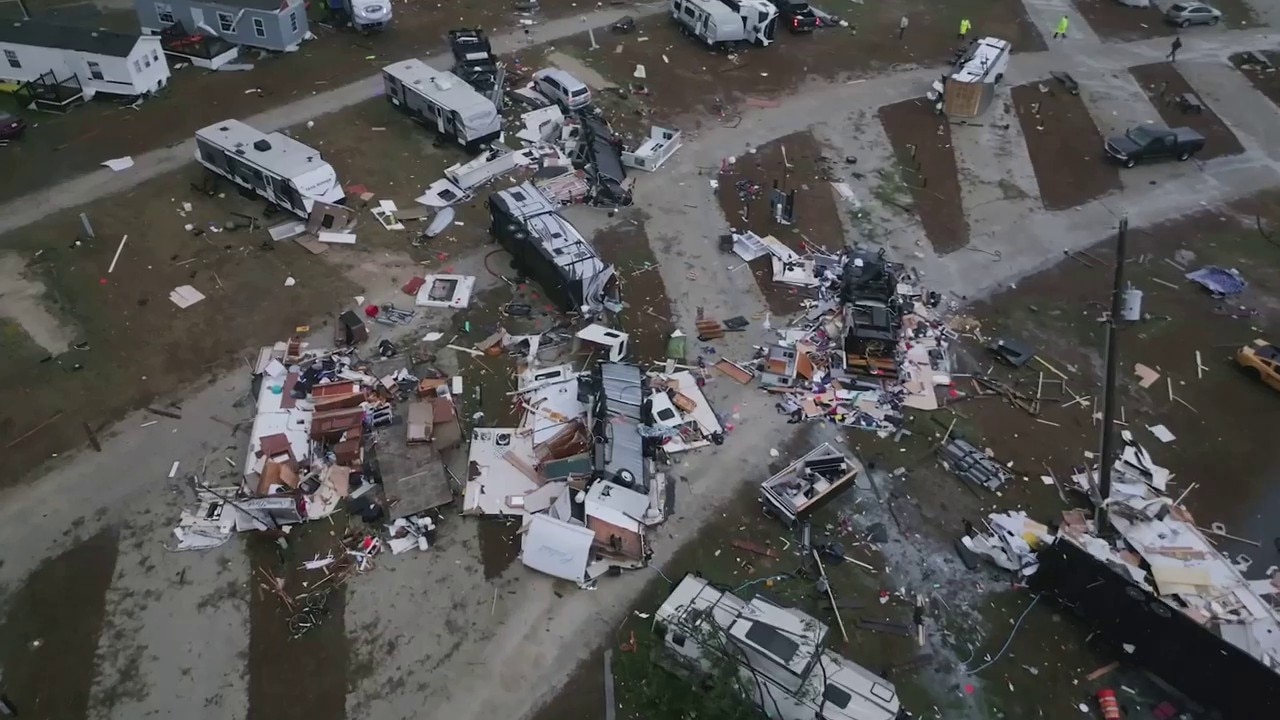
x=100, y=183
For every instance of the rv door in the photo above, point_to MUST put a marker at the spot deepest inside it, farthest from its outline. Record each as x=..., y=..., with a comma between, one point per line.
x=702, y=28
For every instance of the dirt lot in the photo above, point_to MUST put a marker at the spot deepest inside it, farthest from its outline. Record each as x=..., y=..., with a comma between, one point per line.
x=1264, y=78
x=684, y=79
x=926, y=166
x=1112, y=21
x=744, y=191
x=1068, y=173
x=648, y=315
x=1163, y=84
x=59, y=146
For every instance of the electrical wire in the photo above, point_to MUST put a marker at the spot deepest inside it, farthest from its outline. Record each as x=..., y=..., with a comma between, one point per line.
x=1006, y=642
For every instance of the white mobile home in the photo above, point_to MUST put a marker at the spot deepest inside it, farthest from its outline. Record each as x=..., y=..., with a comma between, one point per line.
x=441, y=101
x=722, y=22
x=40, y=53
x=273, y=165
x=779, y=651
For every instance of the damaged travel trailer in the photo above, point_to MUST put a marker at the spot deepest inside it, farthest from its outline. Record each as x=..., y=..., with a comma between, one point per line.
x=779, y=651
x=725, y=22
x=550, y=250
x=809, y=483
x=871, y=315
x=600, y=153
x=273, y=165
x=442, y=102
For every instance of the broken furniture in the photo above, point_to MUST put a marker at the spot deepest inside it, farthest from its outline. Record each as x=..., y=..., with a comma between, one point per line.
x=809, y=483
x=351, y=329
x=973, y=465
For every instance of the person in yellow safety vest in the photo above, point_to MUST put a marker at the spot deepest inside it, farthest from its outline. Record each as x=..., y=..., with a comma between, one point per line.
x=1061, y=31
x=964, y=28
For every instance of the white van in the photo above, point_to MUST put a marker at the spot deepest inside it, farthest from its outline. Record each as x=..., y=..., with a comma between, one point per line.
x=566, y=90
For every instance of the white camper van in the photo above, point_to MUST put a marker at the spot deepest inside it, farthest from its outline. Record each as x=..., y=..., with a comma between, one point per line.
x=779, y=652
x=273, y=165
x=443, y=102
x=724, y=22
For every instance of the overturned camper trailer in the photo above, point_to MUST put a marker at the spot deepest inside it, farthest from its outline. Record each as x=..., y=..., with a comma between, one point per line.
x=778, y=651
x=724, y=22
x=442, y=102
x=978, y=68
x=273, y=165
x=550, y=250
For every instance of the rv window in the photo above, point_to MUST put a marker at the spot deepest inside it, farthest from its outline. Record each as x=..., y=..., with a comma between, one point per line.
x=769, y=639
x=517, y=196
x=292, y=197
x=881, y=692
x=688, y=12
x=837, y=696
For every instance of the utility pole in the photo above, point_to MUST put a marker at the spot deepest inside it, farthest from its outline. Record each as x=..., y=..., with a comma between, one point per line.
x=22, y=5
x=1109, y=384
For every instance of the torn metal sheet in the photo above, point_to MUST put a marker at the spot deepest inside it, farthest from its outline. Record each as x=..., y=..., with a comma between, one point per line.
x=442, y=193
x=287, y=230
x=184, y=296
x=615, y=341
x=327, y=216
x=501, y=462
x=557, y=548
x=541, y=125
x=443, y=219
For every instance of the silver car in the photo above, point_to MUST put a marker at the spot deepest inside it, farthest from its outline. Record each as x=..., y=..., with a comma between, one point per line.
x=1186, y=14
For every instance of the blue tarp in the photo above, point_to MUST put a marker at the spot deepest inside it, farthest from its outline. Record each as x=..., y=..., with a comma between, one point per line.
x=1218, y=281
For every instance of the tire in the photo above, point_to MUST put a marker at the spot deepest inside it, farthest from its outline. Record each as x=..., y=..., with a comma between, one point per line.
x=1130, y=163
x=1214, y=21
x=1184, y=24
x=1184, y=156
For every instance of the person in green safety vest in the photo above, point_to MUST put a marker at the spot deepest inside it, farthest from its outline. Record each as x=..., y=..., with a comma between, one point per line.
x=1061, y=30
x=964, y=28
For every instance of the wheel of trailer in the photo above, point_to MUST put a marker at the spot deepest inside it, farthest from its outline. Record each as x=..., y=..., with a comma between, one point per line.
x=1130, y=163
x=1160, y=609
x=1184, y=156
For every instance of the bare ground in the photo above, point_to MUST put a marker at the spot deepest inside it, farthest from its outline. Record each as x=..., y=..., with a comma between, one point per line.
x=1163, y=84
x=926, y=165
x=1064, y=144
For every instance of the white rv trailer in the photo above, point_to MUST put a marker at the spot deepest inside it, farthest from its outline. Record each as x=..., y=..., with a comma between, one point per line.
x=779, y=652
x=273, y=165
x=723, y=22
x=441, y=101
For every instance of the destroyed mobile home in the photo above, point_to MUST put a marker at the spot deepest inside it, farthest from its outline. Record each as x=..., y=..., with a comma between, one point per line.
x=1155, y=586
x=867, y=346
x=779, y=652
x=581, y=469
x=321, y=440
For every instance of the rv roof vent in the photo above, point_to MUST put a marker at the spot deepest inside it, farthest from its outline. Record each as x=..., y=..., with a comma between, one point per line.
x=261, y=145
x=442, y=82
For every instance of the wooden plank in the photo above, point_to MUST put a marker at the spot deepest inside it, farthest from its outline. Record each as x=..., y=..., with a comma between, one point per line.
x=755, y=548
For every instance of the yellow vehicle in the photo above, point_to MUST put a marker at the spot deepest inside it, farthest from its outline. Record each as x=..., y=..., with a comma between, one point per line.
x=1262, y=360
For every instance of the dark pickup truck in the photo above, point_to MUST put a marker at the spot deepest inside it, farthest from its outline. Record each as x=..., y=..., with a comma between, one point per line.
x=1146, y=142
x=473, y=59
x=797, y=16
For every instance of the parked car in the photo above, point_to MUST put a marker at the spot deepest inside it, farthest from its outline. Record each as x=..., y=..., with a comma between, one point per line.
x=11, y=126
x=1147, y=142
x=1262, y=361
x=797, y=16
x=1186, y=14
x=564, y=89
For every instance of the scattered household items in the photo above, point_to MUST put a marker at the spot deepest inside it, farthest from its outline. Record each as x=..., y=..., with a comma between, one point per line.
x=475, y=63
x=779, y=652
x=550, y=250
x=442, y=102
x=277, y=27
x=655, y=151
x=1186, y=14
x=1149, y=142
x=563, y=89
x=185, y=296
x=1261, y=360
x=1189, y=103
x=814, y=480
x=1011, y=542
x=719, y=22
x=979, y=67
x=1222, y=282
x=624, y=25
x=60, y=66
x=973, y=465
x=446, y=291
x=272, y=165
x=363, y=15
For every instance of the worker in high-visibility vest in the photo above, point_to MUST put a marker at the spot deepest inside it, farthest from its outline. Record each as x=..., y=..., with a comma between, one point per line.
x=1061, y=31
x=964, y=28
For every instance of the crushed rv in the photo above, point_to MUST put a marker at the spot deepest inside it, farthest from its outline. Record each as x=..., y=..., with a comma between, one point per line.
x=273, y=165
x=552, y=251
x=779, y=651
x=442, y=102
